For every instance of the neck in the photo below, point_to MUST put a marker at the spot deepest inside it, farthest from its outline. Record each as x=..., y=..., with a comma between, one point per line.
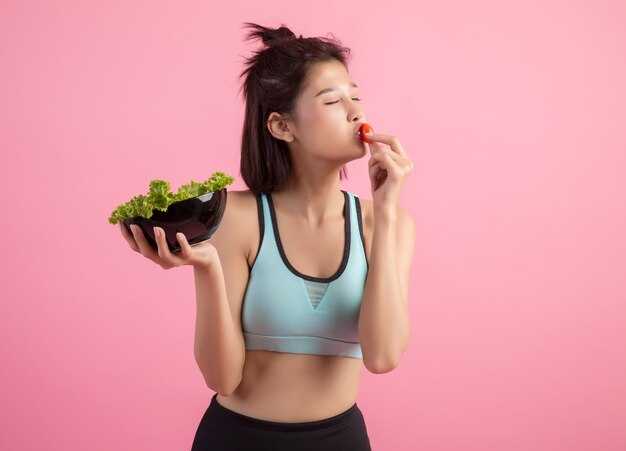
x=313, y=195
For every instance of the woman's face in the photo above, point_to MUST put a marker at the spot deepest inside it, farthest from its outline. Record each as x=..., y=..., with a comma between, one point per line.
x=329, y=114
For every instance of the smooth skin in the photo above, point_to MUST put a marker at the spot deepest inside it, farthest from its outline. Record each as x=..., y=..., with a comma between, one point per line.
x=275, y=386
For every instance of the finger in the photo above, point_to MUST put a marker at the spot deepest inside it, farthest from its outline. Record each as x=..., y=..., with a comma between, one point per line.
x=163, y=249
x=377, y=176
x=375, y=170
x=385, y=159
x=129, y=237
x=397, y=167
x=402, y=162
x=387, y=163
x=144, y=247
x=388, y=151
x=390, y=140
x=390, y=164
x=185, y=248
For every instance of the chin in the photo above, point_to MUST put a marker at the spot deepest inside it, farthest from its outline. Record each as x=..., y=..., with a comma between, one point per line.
x=357, y=152
x=363, y=148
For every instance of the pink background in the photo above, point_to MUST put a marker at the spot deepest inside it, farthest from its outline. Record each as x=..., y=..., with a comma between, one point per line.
x=514, y=115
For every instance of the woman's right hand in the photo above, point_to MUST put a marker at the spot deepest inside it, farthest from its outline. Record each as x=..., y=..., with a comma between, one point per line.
x=199, y=255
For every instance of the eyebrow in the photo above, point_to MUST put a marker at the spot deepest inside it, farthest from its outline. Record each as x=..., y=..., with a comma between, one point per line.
x=332, y=88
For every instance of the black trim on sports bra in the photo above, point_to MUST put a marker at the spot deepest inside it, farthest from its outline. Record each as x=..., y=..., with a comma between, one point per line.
x=259, y=208
x=360, y=219
x=346, y=248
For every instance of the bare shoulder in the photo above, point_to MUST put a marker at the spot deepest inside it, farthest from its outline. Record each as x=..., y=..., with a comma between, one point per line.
x=241, y=203
x=240, y=219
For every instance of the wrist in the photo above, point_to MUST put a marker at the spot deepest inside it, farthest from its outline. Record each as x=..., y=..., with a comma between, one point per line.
x=208, y=262
x=385, y=213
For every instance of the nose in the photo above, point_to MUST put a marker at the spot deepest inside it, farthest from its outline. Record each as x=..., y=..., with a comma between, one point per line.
x=358, y=116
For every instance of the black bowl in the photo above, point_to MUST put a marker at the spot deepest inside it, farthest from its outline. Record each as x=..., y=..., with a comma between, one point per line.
x=197, y=218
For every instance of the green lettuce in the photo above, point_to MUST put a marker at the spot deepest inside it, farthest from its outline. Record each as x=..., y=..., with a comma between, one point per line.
x=159, y=197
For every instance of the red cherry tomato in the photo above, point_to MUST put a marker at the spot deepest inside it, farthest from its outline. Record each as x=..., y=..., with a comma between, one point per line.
x=365, y=128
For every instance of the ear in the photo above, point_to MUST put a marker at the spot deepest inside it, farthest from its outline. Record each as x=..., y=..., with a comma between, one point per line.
x=279, y=127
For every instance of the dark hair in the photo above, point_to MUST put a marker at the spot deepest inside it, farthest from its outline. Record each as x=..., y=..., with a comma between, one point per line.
x=274, y=78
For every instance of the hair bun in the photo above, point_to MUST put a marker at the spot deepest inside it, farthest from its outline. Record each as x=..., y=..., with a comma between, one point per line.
x=269, y=36
x=272, y=36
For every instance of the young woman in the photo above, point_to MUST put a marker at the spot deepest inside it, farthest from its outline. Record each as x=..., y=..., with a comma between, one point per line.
x=302, y=282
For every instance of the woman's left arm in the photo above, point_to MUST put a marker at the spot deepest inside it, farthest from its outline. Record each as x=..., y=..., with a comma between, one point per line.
x=384, y=316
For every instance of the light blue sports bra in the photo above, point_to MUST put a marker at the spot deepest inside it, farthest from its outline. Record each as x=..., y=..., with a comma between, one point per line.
x=287, y=311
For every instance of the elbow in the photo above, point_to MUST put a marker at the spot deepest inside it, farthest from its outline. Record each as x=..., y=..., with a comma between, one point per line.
x=222, y=385
x=381, y=365
x=226, y=388
x=384, y=362
x=223, y=389
x=223, y=392
x=386, y=359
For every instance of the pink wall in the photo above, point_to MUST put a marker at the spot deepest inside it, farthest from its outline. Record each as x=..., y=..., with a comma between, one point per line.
x=513, y=113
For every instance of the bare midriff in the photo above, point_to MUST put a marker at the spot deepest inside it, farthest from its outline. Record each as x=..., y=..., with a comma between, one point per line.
x=294, y=388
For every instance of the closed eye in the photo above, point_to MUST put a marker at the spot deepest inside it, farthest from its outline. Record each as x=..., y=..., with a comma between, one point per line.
x=357, y=99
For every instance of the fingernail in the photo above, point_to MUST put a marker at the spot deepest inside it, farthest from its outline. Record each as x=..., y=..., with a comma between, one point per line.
x=156, y=231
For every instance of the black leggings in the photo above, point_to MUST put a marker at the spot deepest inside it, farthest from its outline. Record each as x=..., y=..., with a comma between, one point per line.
x=222, y=429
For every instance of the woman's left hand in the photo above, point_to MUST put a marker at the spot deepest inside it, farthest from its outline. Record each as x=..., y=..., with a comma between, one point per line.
x=389, y=167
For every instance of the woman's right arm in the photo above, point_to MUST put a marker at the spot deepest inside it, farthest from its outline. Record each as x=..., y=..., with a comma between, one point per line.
x=221, y=276
x=219, y=346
